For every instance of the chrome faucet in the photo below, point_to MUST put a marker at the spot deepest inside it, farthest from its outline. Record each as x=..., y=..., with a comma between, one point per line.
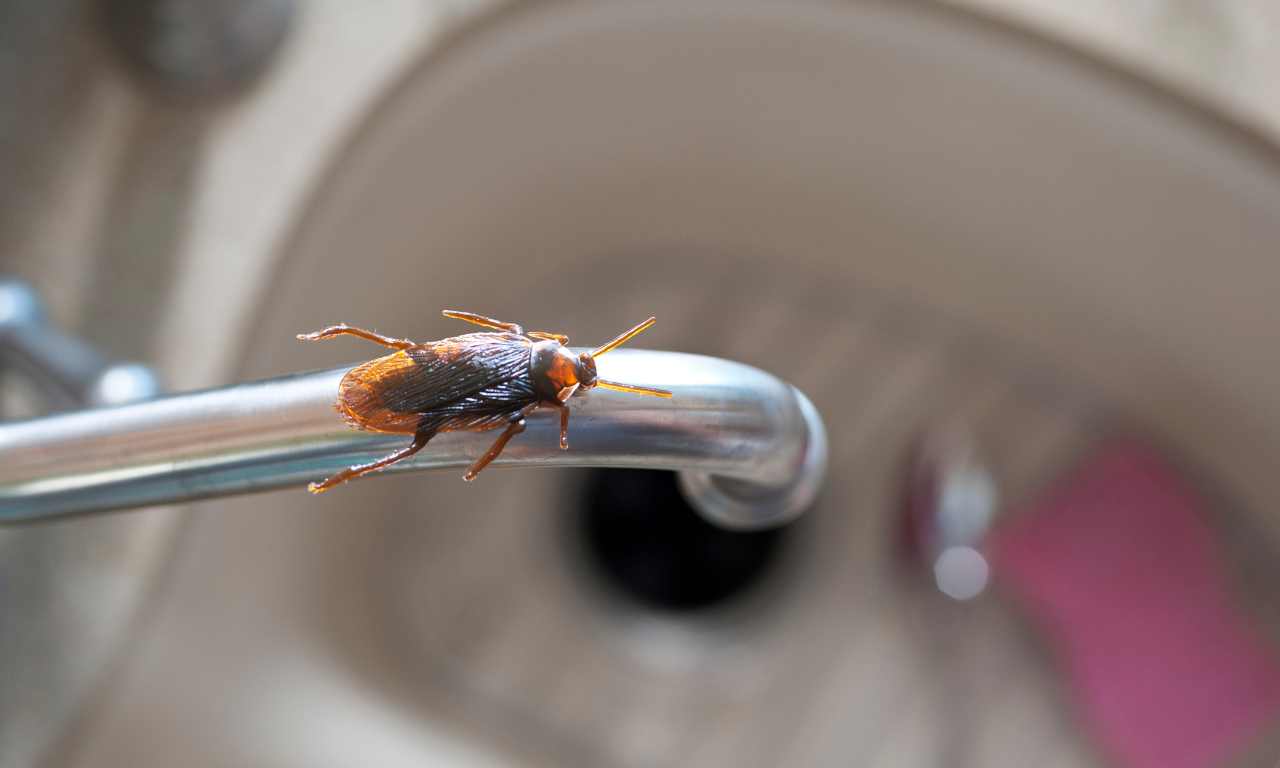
x=751, y=450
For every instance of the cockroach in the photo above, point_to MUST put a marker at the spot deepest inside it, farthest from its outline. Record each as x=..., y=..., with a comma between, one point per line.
x=474, y=382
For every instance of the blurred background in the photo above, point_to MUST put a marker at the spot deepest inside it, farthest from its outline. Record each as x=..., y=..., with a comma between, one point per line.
x=1022, y=255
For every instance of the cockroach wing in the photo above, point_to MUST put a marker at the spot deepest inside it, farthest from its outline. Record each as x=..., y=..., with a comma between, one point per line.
x=473, y=381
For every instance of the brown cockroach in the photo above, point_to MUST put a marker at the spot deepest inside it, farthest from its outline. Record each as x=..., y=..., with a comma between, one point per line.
x=473, y=382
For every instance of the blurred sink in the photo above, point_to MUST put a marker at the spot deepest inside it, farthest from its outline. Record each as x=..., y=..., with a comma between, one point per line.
x=913, y=215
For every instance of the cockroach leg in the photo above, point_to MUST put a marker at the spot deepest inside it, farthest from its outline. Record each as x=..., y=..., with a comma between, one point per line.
x=420, y=439
x=560, y=337
x=481, y=320
x=344, y=329
x=516, y=426
x=564, y=425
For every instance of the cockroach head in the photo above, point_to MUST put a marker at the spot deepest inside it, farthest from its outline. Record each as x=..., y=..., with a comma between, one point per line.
x=586, y=370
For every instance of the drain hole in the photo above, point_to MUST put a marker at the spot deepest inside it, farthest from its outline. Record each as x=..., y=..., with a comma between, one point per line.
x=648, y=543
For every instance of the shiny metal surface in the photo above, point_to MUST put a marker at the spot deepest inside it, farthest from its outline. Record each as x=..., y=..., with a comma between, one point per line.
x=69, y=370
x=950, y=502
x=754, y=446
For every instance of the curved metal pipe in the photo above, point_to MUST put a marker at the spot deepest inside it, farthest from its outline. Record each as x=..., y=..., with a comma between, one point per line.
x=751, y=449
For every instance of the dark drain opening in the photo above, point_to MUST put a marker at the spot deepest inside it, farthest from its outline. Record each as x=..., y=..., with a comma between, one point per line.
x=648, y=543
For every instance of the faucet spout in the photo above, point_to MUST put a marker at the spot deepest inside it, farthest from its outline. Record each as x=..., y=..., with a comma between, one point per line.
x=751, y=449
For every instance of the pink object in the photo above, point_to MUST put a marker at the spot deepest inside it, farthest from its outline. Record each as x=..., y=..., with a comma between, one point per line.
x=1125, y=578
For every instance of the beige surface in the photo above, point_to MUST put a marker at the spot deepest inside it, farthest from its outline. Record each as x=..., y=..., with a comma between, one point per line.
x=1225, y=53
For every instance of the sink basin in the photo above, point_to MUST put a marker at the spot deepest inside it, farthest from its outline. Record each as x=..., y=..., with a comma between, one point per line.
x=916, y=216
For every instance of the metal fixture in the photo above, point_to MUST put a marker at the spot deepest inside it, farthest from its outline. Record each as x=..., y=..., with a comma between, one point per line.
x=751, y=449
x=70, y=371
x=950, y=504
